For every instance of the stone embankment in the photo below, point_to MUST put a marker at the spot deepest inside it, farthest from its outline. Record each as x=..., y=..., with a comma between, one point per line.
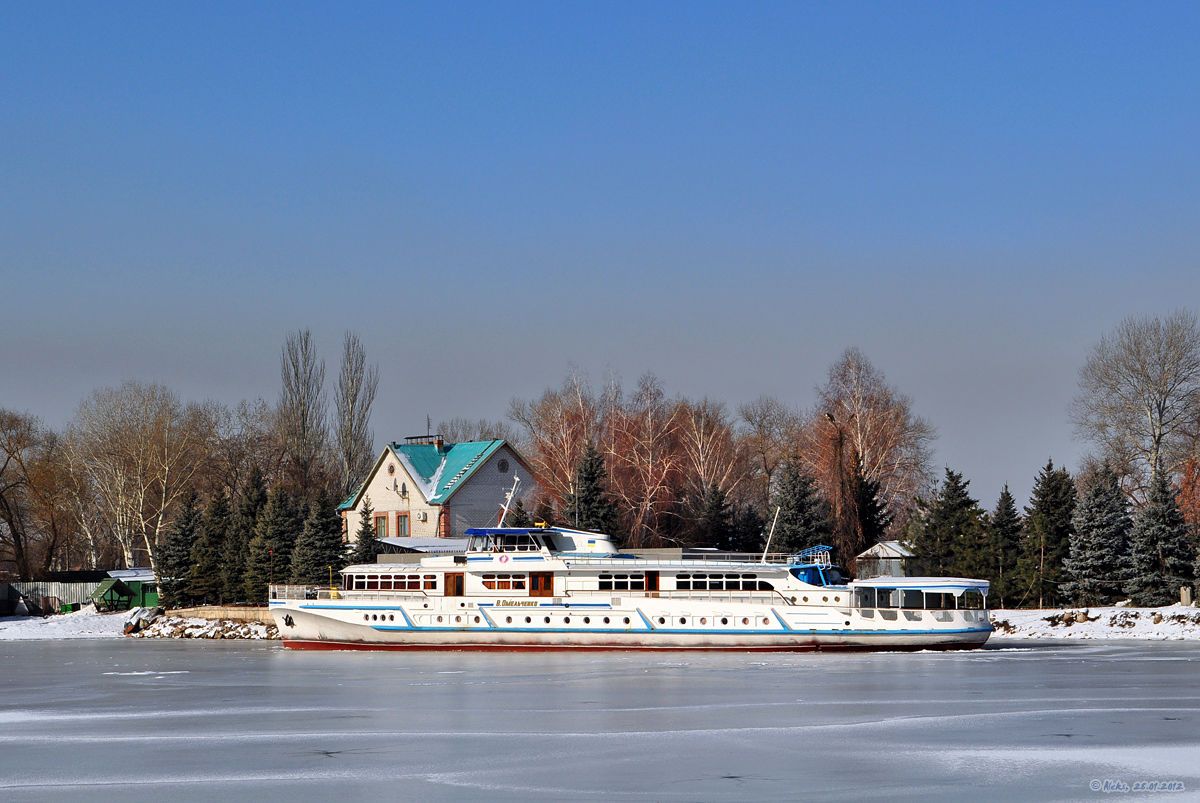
x=195, y=627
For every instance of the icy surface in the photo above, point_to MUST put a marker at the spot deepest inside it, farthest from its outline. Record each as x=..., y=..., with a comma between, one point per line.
x=185, y=720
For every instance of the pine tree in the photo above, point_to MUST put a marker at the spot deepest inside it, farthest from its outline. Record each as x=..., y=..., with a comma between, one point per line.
x=804, y=519
x=271, y=547
x=588, y=506
x=1098, y=565
x=952, y=539
x=175, y=555
x=366, y=545
x=236, y=552
x=1047, y=538
x=1161, y=553
x=318, y=553
x=205, y=581
x=1004, y=529
x=713, y=528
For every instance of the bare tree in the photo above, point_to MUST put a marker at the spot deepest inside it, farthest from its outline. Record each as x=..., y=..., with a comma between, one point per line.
x=558, y=426
x=245, y=439
x=769, y=425
x=644, y=461
x=1139, y=395
x=465, y=430
x=301, y=410
x=713, y=456
x=139, y=449
x=353, y=438
x=18, y=441
x=860, y=417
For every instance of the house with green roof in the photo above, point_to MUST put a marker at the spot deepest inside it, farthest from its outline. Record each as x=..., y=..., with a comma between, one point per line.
x=426, y=487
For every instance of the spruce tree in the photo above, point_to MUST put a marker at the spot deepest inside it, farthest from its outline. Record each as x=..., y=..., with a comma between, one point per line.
x=745, y=530
x=270, y=557
x=366, y=545
x=1161, y=553
x=713, y=528
x=1004, y=529
x=1098, y=565
x=518, y=516
x=1047, y=538
x=588, y=507
x=318, y=553
x=175, y=556
x=236, y=552
x=205, y=581
x=873, y=516
x=952, y=539
x=804, y=518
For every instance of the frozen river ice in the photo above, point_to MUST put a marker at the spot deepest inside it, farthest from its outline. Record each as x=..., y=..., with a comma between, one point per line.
x=204, y=721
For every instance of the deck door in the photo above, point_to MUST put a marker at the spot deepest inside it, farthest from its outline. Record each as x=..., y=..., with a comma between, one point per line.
x=454, y=584
x=651, y=581
x=541, y=584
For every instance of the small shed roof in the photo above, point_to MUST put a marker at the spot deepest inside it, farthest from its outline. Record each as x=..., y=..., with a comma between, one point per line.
x=887, y=549
x=139, y=575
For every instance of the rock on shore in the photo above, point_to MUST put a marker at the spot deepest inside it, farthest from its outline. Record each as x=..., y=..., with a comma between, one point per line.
x=179, y=627
x=1170, y=623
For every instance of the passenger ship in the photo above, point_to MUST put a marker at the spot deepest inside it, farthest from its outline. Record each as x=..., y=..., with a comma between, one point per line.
x=557, y=588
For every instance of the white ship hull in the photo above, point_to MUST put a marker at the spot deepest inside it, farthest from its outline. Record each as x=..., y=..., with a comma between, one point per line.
x=684, y=625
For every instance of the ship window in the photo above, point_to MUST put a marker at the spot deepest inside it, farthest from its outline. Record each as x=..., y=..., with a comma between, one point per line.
x=606, y=582
x=683, y=582
x=864, y=597
x=430, y=582
x=912, y=600
x=385, y=583
x=763, y=585
x=936, y=601
x=637, y=582
x=971, y=600
x=699, y=582
x=518, y=582
x=887, y=598
x=715, y=583
x=504, y=582
x=373, y=583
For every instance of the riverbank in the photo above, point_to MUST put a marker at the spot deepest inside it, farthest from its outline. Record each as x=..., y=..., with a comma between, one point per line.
x=1170, y=623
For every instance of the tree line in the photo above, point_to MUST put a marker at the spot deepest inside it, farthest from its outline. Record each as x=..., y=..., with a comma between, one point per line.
x=228, y=499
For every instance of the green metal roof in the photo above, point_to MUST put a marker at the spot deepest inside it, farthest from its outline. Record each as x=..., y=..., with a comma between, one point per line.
x=437, y=472
x=113, y=584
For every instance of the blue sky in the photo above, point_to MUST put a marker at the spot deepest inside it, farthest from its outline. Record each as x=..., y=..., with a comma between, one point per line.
x=728, y=195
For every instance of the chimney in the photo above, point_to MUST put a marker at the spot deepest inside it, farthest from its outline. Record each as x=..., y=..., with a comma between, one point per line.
x=438, y=442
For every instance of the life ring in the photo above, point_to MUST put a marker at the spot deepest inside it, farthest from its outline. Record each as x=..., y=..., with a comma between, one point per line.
x=504, y=558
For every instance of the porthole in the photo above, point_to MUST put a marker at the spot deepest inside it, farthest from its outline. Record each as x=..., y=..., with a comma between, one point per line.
x=682, y=620
x=587, y=620
x=527, y=620
x=439, y=618
x=426, y=604
x=703, y=620
x=824, y=599
x=766, y=621
x=366, y=617
x=605, y=620
x=566, y=620
x=745, y=621
x=458, y=618
x=837, y=599
x=391, y=617
x=626, y=620
x=662, y=621
x=374, y=617
x=508, y=620
x=847, y=624
x=794, y=599
x=724, y=621
x=476, y=620
x=547, y=620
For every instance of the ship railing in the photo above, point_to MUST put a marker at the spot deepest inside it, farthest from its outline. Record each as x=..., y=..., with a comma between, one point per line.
x=306, y=592
x=690, y=559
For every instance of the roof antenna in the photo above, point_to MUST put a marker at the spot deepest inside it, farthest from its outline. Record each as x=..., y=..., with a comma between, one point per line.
x=428, y=425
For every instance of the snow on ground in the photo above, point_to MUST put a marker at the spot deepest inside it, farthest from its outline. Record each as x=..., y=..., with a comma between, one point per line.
x=85, y=623
x=1170, y=623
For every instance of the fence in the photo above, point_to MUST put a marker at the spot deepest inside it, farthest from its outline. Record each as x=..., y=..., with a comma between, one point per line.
x=67, y=593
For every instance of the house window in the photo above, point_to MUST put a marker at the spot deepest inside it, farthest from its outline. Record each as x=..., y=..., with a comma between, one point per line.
x=381, y=526
x=402, y=525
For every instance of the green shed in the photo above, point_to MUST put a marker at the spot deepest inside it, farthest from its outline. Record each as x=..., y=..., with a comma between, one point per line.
x=113, y=595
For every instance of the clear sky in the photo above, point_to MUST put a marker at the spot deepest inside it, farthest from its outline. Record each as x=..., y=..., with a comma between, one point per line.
x=728, y=195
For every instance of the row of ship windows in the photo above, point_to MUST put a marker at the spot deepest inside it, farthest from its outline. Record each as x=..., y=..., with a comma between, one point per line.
x=389, y=582
x=587, y=620
x=517, y=582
